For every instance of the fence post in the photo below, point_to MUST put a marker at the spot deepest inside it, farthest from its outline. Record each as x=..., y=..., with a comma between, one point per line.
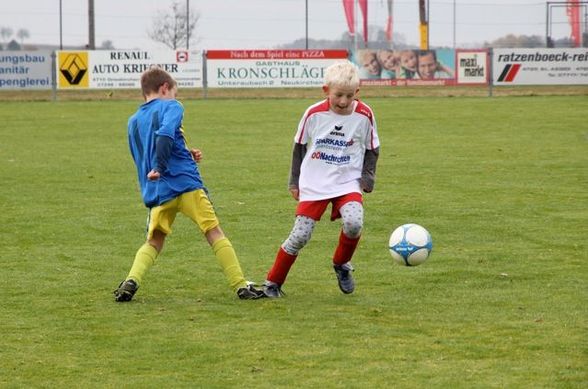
x=204, y=75
x=53, y=76
x=490, y=71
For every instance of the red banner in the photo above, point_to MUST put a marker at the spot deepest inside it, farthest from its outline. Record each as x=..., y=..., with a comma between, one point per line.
x=573, y=11
x=363, y=7
x=276, y=54
x=389, y=22
x=349, y=7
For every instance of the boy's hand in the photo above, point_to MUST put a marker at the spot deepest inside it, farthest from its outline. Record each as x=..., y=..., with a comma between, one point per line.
x=153, y=175
x=295, y=193
x=196, y=154
x=366, y=185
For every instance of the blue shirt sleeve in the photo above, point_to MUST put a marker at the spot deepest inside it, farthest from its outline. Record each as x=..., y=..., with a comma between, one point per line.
x=171, y=119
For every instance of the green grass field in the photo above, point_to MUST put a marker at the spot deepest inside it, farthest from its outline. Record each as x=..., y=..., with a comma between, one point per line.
x=501, y=184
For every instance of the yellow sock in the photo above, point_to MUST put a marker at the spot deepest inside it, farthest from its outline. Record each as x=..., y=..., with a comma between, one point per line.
x=144, y=259
x=226, y=256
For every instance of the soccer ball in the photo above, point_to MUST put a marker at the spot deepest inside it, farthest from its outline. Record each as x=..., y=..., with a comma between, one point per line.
x=410, y=245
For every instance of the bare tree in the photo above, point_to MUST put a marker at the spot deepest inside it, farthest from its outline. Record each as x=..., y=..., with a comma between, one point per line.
x=107, y=45
x=173, y=28
x=6, y=33
x=512, y=40
x=22, y=34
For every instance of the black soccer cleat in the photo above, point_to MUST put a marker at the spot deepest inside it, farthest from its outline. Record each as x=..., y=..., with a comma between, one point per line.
x=272, y=290
x=125, y=291
x=344, y=277
x=249, y=292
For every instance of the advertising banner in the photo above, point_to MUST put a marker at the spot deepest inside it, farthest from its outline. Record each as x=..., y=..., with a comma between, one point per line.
x=122, y=69
x=405, y=67
x=25, y=70
x=559, y=66
x=473, y=67
x=269, y=68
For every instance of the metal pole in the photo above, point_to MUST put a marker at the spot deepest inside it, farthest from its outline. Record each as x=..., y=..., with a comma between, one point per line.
x=454, y=23
x=204, y=74
x=60, y=25
x=91, y=28
x=53, y=76
x=306, y=24
x=547, y=24
x=428, y=25
x=187, y=24
x=491, y=71
x=355, y=17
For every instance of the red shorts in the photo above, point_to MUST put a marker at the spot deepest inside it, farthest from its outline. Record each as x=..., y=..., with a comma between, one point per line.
x=315, y=209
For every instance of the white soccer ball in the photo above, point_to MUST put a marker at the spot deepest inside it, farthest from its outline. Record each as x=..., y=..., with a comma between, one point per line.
x=410, y=245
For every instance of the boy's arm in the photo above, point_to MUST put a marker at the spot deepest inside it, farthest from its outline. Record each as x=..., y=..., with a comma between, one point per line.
x=163, y=148
x=368, y=173
x=298, y=153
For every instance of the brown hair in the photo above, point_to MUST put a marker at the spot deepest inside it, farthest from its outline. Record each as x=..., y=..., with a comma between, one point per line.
x=154, y=78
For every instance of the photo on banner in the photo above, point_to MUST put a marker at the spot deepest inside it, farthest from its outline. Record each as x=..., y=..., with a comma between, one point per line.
x=405, y=64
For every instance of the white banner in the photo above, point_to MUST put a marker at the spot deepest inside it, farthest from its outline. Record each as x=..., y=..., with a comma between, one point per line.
x=559, y=66
x=122, y=69
x=472, y=67
x=25, y=69
x=269, y=68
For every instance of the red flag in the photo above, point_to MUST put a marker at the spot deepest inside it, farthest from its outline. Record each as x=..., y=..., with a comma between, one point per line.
x=363, y=7
x=389, y=22
x=573, y=11
x=349, y=7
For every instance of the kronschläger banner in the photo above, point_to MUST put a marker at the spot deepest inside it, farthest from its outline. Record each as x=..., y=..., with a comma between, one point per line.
x=269, y=68
x=121, y=69
x=558, y=66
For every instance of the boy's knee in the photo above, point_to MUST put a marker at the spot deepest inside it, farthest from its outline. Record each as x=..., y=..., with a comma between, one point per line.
x=295, y=243
x=352, y=229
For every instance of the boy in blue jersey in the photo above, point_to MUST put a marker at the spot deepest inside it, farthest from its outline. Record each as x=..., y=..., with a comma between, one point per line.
x=170, y=183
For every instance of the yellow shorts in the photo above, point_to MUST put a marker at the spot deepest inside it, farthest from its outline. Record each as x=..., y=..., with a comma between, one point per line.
x=195, y=205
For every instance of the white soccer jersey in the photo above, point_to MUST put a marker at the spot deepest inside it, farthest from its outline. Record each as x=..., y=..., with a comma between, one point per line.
x=336, y=146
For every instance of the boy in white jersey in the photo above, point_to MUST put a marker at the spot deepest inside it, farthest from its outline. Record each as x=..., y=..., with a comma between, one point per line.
x=334, y=158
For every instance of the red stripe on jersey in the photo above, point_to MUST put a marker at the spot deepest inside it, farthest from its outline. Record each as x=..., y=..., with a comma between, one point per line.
x=319, y=107
x=363, y=109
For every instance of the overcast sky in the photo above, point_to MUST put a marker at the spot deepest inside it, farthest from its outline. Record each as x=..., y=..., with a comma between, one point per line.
x=263, y=24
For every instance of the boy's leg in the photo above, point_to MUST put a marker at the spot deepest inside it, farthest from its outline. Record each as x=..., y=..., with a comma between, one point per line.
x=198, y=207
x=288, y=252
x=352, y=215
x=227, y=258
x=159, y=224
x=145, y=257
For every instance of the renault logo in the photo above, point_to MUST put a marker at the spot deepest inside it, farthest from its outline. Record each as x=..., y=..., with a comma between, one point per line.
x=73, y=69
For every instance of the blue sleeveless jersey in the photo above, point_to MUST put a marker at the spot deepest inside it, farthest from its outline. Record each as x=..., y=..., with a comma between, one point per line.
x=162, y=118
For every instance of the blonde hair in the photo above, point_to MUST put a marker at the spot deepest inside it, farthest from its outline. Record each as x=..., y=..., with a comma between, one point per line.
x=342, y=73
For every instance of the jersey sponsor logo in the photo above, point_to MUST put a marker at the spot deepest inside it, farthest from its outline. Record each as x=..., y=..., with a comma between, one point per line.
x=334, y=142
x=331, y=158
x=337, y=131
